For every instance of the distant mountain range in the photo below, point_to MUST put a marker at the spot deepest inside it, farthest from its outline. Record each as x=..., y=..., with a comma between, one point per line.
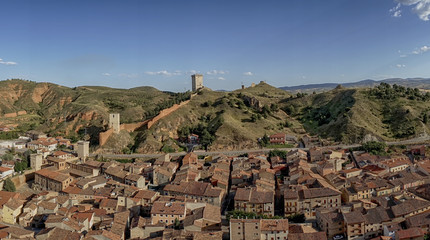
x=422, y=83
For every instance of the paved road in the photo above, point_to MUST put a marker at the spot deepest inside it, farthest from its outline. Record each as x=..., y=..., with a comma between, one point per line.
x=418, y=140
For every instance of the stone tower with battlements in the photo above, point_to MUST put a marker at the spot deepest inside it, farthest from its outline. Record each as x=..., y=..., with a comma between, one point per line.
x=114, y=122
x=197, y=81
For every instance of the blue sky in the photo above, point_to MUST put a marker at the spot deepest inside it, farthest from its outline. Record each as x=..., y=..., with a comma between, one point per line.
x=161, y=43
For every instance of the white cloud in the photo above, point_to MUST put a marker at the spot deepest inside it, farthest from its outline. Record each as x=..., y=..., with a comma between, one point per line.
x=106, y=74
x=421, y=50
x=400, y=65
x=192, y=72
x=248, y=74
x=7, y=63
x=420, y=7
x=395, y=11
x=221, y=78
x=215, y=72
x=128, y=75
x=164, y=73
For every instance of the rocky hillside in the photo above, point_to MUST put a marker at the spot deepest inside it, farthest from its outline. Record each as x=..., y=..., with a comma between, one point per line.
x=69, y=111
x=351, y=115
x=224, y=120
x=235, y=119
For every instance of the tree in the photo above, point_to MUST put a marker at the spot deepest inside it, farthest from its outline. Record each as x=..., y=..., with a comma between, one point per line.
x=375, y=148
x=297, y=218
x=265, y=140
x=206, y=138
x=9, y=186
x=279, y=153
x=7, y=157
x=177, y=224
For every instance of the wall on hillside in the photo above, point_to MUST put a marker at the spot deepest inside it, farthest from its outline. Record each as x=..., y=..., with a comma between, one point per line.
x=104, y=136
x=165, y=113
x=131, y=127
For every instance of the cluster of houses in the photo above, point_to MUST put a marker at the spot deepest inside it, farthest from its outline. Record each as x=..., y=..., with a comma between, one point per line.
x=339, y=194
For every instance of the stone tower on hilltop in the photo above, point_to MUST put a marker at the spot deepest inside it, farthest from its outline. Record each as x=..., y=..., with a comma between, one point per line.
x=114, y=122
x=197, y=81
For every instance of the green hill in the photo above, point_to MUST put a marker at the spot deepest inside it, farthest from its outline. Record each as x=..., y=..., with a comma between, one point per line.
x=61, y=110
x=223, y=120
x=348, y=115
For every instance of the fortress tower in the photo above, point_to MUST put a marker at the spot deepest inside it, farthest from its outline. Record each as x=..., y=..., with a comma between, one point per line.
x=197, y=81
x=83, y=150
x=36, y=160
x=114, y=122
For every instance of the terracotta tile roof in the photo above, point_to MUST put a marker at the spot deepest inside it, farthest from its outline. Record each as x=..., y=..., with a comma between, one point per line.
x=47, y=205
x=208, y=235
x=353, y=217
x=65, y=220
x=274, y=225
x=419, y=220
x=56, y=176
x=396, y=162
x=17, y=232
x=410, y=233
x=212, y=213
x=171, y=208
x=98, y=212
x=145, y=194
x=4, y=169
x=291, y=194
x=133, y=177
x=194, y=188
x=307, y=236
x=82, y=216
x=72, y=190
x=253, y=196
x=14, y=204
x=105, y=234
x=319, y=192
x=376, y=215
x=108, y=203
x=121, y=217
x=58, y=233
x=408, y=206
x=93, y=164
x=190, y=158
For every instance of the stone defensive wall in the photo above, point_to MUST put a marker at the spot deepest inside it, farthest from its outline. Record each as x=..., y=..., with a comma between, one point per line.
x=131, y=127
x=165, y=113
x=19, y=180
x=104, y=136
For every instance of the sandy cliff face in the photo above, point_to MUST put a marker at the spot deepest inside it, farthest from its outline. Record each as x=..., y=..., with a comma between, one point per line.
x=39, y=92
